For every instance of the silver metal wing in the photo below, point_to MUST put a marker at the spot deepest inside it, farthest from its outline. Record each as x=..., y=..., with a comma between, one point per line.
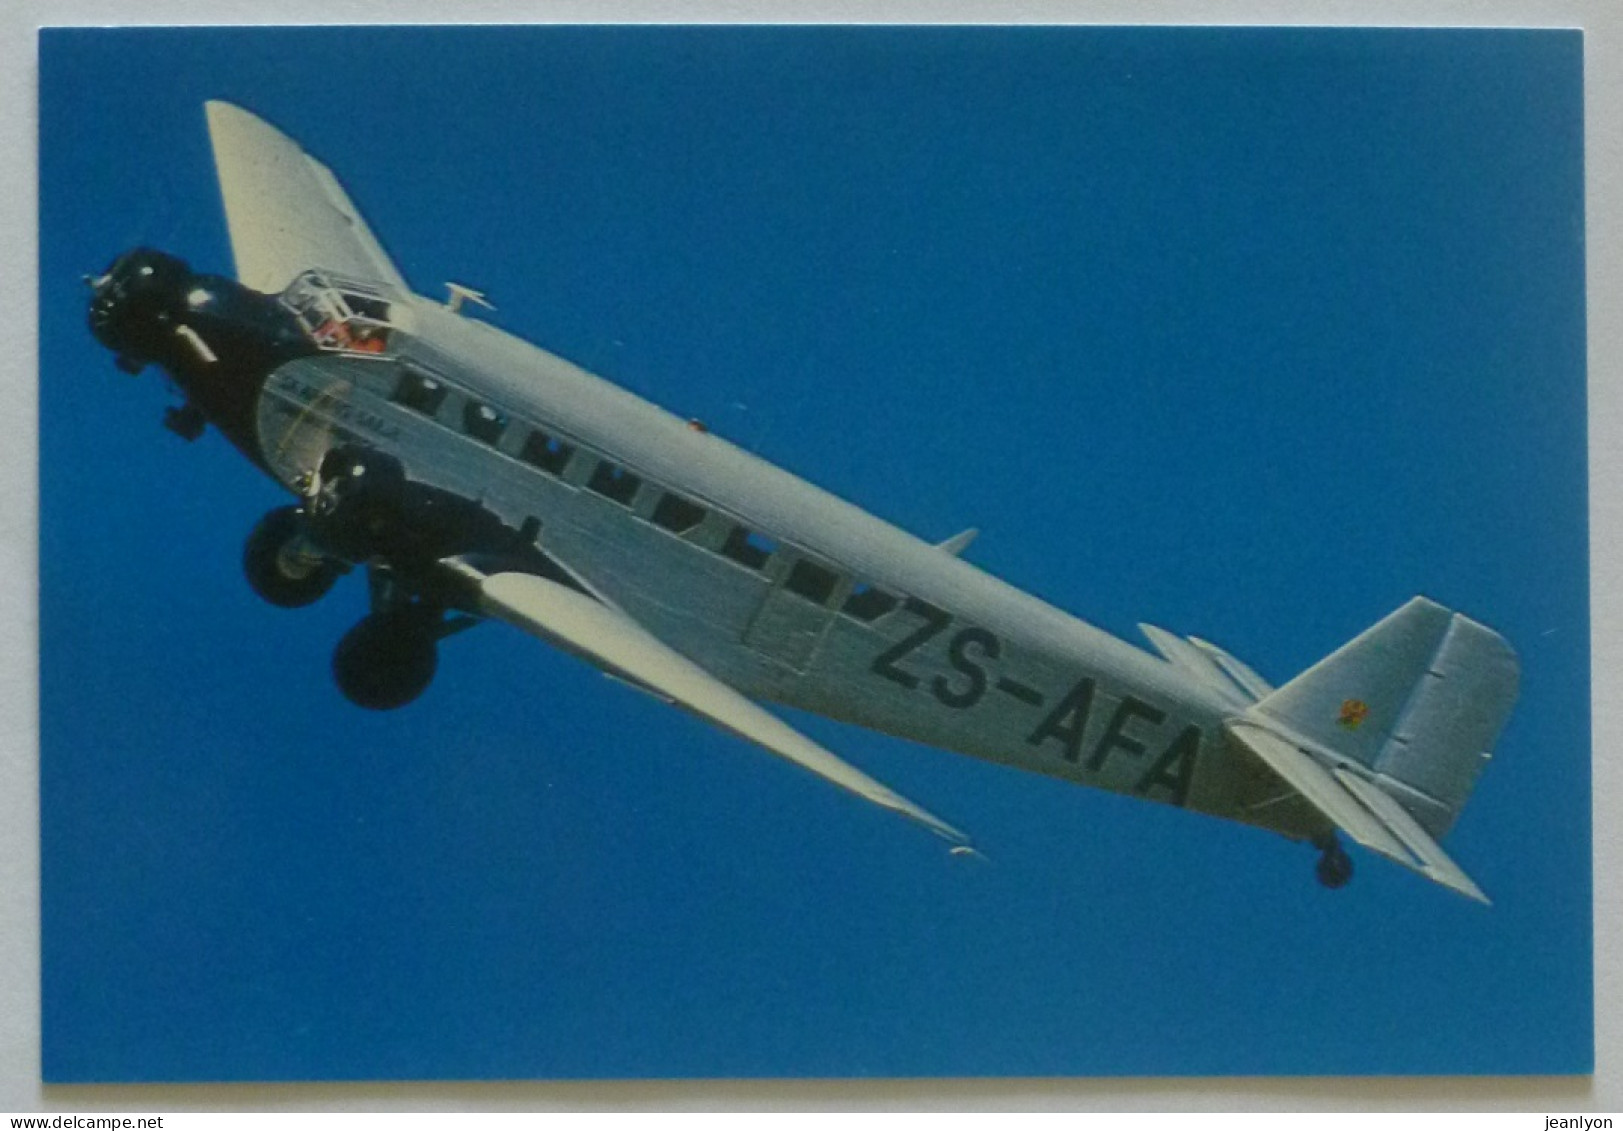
x=286, y=212
x=614, y=642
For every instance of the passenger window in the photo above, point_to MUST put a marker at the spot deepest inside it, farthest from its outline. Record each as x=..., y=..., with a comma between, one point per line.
x=676, y=514
x=811, y=581
x=483, y=422
x=746, y=547
x=614, y=482
x=868, y=603
x=420, y=392
x=548, y=453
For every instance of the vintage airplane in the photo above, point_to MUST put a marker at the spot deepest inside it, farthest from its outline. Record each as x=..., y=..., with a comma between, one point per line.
x=477, y=477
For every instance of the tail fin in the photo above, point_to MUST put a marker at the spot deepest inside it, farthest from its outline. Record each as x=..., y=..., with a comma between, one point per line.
x=1419, y=700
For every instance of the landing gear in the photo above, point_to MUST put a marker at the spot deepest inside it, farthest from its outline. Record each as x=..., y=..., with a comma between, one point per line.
x=360, y=509
x=388, y=659
x=280, y=564
x=1335, y=867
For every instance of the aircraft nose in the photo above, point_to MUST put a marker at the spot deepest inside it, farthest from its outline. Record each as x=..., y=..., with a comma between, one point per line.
x=106, y=302
x=129, y=304
x=105, y=292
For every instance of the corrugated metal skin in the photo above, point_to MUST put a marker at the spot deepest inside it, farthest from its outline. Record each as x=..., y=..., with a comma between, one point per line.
x=1446, y=735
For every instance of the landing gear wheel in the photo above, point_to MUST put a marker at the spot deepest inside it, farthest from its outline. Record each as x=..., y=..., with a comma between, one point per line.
x=388, y=659
x=278, y=566
x=1335, y=867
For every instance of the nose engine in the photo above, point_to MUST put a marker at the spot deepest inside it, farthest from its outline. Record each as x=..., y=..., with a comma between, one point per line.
x=217, y=338
x=134, y=304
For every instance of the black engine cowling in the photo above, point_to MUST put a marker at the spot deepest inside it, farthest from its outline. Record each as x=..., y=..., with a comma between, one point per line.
x=367, y=508
x=217, y=338
x=142, y=302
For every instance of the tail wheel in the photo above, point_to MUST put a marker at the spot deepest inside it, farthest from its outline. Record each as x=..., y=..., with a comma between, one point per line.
x=388, y=659
x=1335, y=867
x=280, y=566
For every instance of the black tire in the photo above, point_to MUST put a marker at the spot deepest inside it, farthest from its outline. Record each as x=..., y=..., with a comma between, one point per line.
x=386, y=660
x=1335, y=867
x=272, y=575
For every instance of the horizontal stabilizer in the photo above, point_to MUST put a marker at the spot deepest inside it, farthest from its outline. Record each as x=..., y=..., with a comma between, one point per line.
x=1433, y=861
x=609, y=639
x=1207, y=663
x=1241, y=673
x=1355, y=805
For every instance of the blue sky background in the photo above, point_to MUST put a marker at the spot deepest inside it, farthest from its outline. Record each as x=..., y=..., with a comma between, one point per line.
x=1251, y=334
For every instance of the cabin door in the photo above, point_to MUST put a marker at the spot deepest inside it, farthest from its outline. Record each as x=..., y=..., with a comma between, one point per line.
x=791, y=620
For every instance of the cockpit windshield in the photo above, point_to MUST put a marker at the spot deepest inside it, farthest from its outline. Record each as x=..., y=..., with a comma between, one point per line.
x=342, y=315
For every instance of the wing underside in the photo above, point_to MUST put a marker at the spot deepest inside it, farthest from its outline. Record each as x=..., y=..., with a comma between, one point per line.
x=286, y=212
x=1356, y=805
x=611, y=640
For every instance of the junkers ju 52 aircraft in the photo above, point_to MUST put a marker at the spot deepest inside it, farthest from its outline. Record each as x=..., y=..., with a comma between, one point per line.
x=477, y=477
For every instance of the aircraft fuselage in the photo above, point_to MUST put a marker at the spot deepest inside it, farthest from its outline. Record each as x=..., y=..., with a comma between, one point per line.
x=776, y=586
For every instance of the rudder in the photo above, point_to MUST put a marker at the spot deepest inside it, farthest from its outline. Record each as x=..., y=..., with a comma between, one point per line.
x=1418, y=699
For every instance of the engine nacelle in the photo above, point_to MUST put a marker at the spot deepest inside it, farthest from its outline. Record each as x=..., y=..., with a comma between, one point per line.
x=217, y=338
x=134, y=306
x=151, y=307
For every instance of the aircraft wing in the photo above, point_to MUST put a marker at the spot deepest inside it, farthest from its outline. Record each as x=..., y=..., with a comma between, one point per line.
x=614, y=642
x=1358, y=807
x=285, y=210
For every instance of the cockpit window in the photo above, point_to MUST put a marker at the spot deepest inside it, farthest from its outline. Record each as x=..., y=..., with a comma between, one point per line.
x=341, y=315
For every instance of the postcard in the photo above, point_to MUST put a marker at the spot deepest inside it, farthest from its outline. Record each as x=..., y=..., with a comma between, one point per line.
x=1084, y=528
